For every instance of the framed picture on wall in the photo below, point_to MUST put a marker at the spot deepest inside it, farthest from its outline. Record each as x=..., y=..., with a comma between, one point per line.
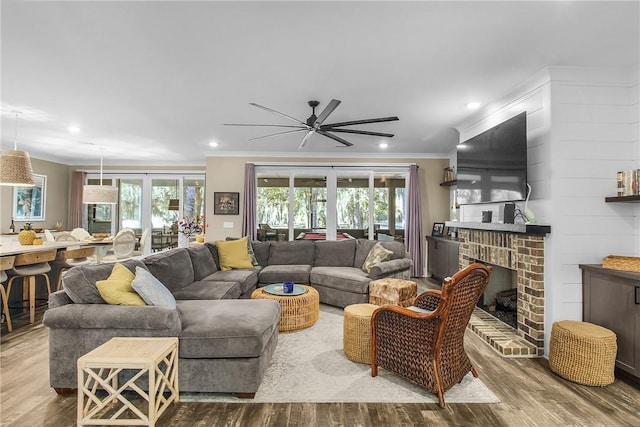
x=438, y=229
x=29, y=202
x=226, y=203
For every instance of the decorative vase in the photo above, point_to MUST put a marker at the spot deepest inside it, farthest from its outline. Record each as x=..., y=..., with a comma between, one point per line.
x=26, y=236
x=183, y=240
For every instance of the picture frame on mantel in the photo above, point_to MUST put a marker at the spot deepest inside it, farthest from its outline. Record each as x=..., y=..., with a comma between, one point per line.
x=225, y=203
x=29, y=202
x=438, y=229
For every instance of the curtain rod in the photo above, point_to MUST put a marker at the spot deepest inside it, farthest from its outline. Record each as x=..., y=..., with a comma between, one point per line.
x=334, y=166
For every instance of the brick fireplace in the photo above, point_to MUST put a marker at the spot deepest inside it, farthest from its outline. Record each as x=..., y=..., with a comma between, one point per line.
x=523, y=253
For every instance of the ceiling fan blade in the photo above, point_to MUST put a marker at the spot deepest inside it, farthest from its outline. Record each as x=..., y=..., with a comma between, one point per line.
x=360, y=132
x=279, y=133
x=305, y=139
x=279, y=113
x=327, y=110
x=254, y=124
x=335, y=138
x=360, y=122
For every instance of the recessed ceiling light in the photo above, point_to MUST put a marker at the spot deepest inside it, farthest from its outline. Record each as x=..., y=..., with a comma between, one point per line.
x=213, y=144
x=74, y=129
x=383, y=145
x=473, y=105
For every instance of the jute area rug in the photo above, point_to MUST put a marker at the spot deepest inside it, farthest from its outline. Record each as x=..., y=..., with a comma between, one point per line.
x=310, y=366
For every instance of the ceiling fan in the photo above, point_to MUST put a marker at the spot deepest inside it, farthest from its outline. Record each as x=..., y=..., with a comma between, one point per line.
x=315, y=124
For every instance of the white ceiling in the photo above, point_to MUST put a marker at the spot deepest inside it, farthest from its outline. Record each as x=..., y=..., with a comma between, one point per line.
x=151, y=83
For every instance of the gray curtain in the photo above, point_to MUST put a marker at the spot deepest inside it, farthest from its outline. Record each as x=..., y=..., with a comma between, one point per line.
x=414, y=237
x=76, y=207
x=249, y=221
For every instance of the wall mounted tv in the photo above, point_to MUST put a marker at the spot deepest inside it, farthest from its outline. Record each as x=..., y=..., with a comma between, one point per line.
x=492, y=166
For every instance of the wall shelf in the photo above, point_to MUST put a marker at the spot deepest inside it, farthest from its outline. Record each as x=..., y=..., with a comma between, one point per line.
x=621, y=199
x=449, y=183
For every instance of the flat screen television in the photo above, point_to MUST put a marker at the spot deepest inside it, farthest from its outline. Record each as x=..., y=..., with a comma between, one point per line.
x=492, y=166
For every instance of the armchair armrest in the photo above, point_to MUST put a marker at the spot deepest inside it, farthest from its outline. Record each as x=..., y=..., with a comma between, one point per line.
x=387, y=268
x=105, y=316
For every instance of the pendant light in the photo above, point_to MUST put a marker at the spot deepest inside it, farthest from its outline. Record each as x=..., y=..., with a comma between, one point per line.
x=100, y=194
x=15, y=166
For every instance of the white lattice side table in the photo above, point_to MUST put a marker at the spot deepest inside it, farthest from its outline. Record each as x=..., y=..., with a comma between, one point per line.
x=102, y=401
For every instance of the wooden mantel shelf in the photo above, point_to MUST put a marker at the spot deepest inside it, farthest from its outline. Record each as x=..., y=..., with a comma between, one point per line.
x=506, y=228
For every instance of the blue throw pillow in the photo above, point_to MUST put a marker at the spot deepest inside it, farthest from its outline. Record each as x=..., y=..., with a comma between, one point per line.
x=152, y=291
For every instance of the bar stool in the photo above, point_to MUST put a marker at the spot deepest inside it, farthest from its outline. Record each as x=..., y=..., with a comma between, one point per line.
x=27, y=266
x=6, y=263
x=69, y=258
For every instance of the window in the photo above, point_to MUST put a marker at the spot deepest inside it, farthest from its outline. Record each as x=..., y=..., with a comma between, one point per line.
x=361, y=202
x=144, y=202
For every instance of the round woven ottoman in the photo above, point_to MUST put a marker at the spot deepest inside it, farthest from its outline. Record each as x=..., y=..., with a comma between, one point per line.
x=583, y=352
x=356, y=340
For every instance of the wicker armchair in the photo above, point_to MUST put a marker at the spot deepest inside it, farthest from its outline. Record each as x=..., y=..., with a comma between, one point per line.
x=425, y=344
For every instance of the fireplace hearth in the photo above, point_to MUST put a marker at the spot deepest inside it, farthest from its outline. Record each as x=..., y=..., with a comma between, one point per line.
x=524, y=255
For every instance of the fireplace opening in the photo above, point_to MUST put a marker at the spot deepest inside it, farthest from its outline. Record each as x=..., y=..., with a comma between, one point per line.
x=500, y=299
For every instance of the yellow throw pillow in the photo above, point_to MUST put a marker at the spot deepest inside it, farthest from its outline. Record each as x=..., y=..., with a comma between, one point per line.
x=234, y=254
x=377, y=254
x=116, y=289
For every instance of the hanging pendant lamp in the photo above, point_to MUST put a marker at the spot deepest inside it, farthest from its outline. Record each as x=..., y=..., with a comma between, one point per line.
x=15, y=166
x=100, y=194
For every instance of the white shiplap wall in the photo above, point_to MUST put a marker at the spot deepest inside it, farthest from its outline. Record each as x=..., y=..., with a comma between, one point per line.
x=582, y=127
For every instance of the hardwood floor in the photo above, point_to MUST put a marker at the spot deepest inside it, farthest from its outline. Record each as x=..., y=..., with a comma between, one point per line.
x=530, y=396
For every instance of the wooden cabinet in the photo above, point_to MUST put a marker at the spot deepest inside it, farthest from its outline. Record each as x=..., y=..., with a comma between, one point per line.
x=442, y=259
x=611, y=298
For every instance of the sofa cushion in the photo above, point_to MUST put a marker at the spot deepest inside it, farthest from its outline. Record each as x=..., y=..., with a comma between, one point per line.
x=209, y=290
x=348, y=279
x=261, y=251
x=80, y=282
x=152, y=291
x=337, y=253
x=202, y=262
x=227, y=329
x=285, y=273
x=214, y=252
x=173, y=268
x=377, y=254
x=233, y=254
x=289, y=253
x=117, y=289
x=248, y=279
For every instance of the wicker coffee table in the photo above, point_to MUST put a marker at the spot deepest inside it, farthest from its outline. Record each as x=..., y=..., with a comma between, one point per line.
x=297, y=311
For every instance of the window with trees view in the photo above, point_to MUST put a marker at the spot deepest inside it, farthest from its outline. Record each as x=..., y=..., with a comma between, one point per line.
x=362, y=204
x=144, y=202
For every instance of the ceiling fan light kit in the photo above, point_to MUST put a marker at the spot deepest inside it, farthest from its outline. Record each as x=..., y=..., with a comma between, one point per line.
x=315, y=124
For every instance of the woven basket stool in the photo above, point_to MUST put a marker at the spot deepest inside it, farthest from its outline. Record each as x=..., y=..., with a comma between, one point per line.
x=392, y=291
x=356, y=339
x=583, y=352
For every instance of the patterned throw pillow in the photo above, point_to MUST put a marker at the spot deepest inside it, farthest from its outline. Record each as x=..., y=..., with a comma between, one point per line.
x=377, y=254
x=116, y=289
x=152, y=291
x=252, y=255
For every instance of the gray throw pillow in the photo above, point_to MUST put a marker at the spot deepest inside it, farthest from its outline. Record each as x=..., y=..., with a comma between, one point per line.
x=152, y=291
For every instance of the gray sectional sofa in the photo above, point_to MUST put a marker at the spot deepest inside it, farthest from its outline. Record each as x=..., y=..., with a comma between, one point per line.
x=226, y=340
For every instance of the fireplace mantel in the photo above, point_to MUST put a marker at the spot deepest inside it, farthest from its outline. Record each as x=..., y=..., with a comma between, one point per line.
x=503, y=228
